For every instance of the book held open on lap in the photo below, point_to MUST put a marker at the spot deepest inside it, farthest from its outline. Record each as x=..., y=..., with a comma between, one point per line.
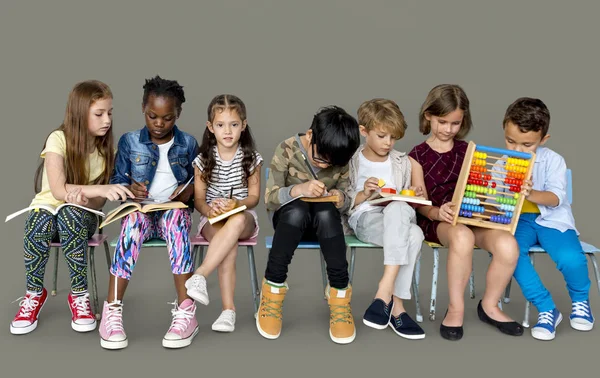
x=51, y=209
x=149, y=206
x=383, y=198
x=227, y=214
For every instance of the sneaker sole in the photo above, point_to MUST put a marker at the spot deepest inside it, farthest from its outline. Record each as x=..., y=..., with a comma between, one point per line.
x=404, y=335
x=374, y=325
x=545, y=336
x=198, y=297
x=113, y=345
x=29, y=328
x=83, y=327
x=345, y=340
x=581, y=326
x=223, y=328
x=175, y=344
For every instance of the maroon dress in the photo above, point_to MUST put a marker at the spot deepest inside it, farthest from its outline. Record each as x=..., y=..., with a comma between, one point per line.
x=440, y=171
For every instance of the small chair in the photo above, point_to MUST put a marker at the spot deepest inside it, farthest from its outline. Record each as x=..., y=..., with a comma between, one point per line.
x=353, y=243
x=588, y=249
x=95, y=241
x=198, y=244
x=434, y=280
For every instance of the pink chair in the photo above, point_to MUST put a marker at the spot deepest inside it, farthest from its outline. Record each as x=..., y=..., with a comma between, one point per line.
x=95, y=241
x=198, y=243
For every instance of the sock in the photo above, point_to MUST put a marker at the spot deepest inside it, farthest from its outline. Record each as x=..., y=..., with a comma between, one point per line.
x=275, y=284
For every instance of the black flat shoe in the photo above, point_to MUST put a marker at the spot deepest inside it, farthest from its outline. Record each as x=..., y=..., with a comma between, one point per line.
x=451, y=333
x=510, y=328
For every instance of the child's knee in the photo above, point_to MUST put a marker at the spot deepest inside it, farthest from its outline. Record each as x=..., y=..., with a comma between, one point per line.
x=571, y=260
x=295, y=217
x=507, y=249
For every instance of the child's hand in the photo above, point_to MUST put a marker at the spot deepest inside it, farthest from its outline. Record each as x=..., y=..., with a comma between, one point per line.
x=526, y=188
x=340, y=201
x=371, y=186
x=116, y=192
x=418, y=191
x=313, y=188
x=446, y=212
x=77, y=197
x=182, y=196
x=222, y=205
x=139, y=190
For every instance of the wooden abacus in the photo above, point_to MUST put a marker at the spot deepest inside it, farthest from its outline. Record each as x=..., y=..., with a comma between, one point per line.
x=479, y=200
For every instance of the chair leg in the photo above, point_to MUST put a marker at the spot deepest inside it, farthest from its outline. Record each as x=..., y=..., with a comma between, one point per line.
x=507, y=292
x=596, y=271
x=352, y=261
x=472, y=284
x=253, y=278
x=55, y=277
x=107, y=255
x=415, y=287
x=323, y=274
x=528, y=304
x=434, y=281
x=195, y=257
x=93, y=283
x=201, y=255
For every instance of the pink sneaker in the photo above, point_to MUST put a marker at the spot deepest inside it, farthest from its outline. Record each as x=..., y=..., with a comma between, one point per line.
x=82, y=318
x=184, y=326
x=112, y=334
x=27, y=317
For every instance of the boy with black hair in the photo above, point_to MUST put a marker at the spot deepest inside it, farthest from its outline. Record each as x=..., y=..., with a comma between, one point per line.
x=310, y=165
x=546, y=219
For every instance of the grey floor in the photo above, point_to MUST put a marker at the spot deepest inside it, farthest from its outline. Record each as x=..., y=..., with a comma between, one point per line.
x=304, y=347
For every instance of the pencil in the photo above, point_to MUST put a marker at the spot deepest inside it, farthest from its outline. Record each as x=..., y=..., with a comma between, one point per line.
x=231, y=193
x=131, y=178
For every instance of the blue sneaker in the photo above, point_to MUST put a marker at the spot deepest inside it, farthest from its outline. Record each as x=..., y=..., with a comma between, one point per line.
x=378, y=314
x=581, y=316
x=404, y=326
x=545, y=329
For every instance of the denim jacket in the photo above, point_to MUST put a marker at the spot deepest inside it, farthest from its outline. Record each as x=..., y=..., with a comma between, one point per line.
x=138, y=156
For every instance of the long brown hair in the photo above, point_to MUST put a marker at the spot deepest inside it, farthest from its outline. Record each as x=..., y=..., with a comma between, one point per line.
x=221, y=103
x=442, y=100
x=75, y=127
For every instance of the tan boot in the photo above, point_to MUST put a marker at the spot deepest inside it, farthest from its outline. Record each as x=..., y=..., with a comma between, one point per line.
x=270, y=312
x=341, y=321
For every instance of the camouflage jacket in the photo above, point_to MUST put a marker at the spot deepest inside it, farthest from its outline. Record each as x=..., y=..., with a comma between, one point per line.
x=288, y=169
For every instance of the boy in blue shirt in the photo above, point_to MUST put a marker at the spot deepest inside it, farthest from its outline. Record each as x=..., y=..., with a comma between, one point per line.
x=546, y=219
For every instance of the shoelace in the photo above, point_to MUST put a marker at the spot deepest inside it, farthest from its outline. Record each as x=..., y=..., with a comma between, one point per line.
x=581, y=309
x=226, y=316
x=181, y=317
x=272, y=308
x=340, y=313
x=546, y=317
x=28, y=304
x=81, y=304
x=114, y=318
x=198, y=283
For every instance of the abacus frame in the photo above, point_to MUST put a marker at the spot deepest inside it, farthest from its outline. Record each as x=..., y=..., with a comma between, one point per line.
x=461, y=185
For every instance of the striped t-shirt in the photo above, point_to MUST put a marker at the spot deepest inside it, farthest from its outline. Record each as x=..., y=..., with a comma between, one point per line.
x=227, y=175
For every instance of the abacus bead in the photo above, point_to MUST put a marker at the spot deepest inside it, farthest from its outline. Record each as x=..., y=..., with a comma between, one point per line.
x=493, y=184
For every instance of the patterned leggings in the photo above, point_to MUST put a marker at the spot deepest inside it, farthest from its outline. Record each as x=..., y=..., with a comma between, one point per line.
x=171, y=225
x=75, y=226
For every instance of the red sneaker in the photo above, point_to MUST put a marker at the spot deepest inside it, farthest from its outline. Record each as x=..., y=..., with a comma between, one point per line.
x=27, y=317
x=82, y=317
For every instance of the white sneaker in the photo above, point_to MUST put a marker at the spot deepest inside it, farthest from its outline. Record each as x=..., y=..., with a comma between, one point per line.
x=196, y=289
x=225, y=322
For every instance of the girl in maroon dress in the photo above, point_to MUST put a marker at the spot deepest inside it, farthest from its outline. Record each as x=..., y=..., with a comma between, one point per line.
x=446, y=118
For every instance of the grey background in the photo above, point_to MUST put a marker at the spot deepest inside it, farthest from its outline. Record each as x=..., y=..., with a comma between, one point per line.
x=285, y=60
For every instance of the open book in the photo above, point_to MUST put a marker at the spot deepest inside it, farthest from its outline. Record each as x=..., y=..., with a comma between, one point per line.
x=51, y=209
x=383, y=198
x=329, y=198
x=220, y=217
x=129, y=207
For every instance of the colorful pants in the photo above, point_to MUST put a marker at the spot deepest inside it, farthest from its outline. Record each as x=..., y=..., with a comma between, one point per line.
x=73, y=227
x=564, y=248
x=173, y=226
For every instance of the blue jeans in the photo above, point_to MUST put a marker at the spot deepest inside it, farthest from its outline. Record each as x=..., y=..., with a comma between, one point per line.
x=564, y=248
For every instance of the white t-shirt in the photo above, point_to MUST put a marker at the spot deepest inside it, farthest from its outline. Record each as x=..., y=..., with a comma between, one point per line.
x=164, y=182
x=227, y=175
x=366, y=169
